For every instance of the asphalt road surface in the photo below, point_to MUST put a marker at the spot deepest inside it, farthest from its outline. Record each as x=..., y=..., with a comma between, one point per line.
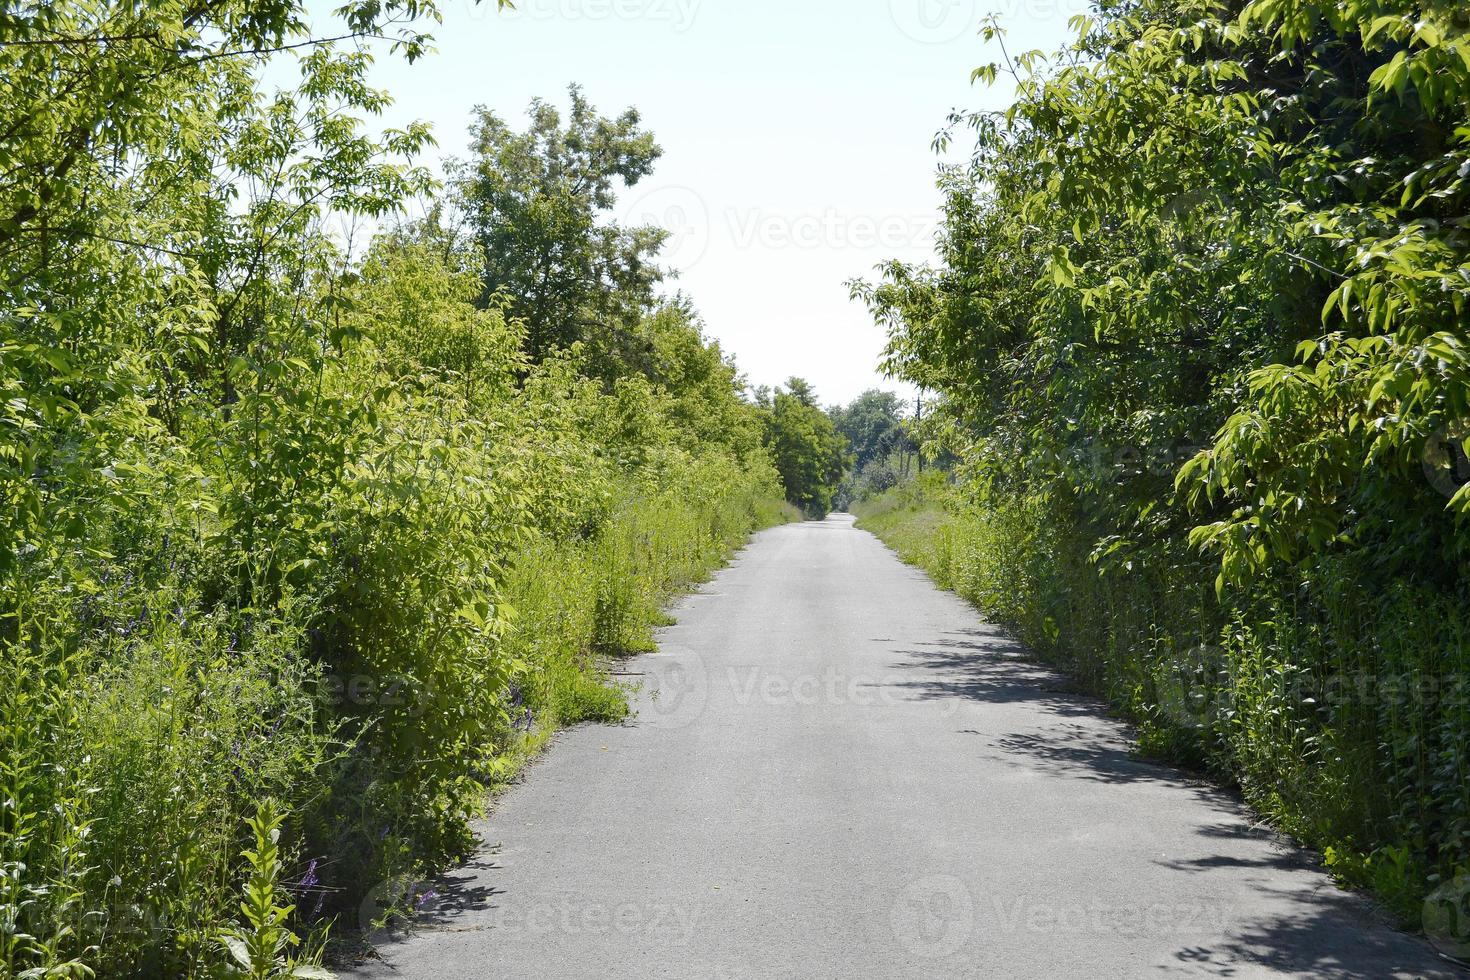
x=840, y=771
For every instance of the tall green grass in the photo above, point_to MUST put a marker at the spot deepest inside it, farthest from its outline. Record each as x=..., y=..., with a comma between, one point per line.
x=581, y=602
x=133, y=758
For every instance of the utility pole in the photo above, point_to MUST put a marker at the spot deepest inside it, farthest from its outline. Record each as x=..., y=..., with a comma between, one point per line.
x=918, y=418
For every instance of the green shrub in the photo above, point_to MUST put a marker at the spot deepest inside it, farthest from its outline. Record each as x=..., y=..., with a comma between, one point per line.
x=1208, y=397
x=301, y=552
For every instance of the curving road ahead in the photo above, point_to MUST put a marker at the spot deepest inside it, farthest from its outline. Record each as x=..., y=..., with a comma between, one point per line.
x=845, y=773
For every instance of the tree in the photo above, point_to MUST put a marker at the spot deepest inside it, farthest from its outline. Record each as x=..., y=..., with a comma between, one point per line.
x=416, y=300
x=873, y=426
x=1200, y=324
x=239, y=464
x=172, y=365
x=537, y=202
x=702, y=380
x=810, y=454
x=157, y=224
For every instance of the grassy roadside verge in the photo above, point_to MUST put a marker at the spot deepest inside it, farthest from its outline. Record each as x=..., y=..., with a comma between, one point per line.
x=583, y=604
x=916, y=526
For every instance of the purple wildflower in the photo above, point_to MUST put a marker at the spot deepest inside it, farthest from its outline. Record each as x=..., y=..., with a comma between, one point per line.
x=309, y=883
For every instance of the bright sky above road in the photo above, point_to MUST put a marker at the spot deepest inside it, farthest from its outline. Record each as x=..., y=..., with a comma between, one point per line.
x=796, y=138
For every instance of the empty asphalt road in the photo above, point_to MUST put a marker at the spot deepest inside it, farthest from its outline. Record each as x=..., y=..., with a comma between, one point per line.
x=839, y=771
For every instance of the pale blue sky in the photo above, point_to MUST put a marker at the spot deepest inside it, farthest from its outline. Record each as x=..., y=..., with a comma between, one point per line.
x=796, y=140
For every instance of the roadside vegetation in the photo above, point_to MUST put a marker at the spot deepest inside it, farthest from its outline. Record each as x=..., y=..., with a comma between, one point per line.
x=1198, y=346
x=809, y=452
x=303, y=547
x=882, y=452
x=330, y=489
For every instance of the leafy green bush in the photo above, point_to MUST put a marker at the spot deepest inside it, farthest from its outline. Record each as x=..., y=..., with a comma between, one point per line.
x=302, y=552
x=809, y=452
x=1198, y=338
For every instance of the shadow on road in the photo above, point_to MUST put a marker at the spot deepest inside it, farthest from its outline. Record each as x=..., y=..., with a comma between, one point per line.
x=457, y=892
x=1283, y=860
x=440, y=902
x=1335, y=934
x=1327, y=933
x=986, y=666
x=981, y=665
x=1083, y=752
